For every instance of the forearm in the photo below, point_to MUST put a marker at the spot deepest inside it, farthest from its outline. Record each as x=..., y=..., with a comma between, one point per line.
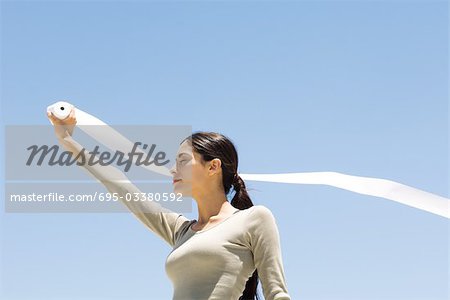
x=69, y=144
x=103, y=173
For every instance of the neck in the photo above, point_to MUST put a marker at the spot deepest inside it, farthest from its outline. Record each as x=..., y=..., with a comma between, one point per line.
x=210, y=204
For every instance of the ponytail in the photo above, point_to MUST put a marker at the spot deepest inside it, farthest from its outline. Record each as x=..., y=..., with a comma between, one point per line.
x=241, y=199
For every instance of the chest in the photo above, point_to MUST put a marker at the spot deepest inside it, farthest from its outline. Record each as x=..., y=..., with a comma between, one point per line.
x=210, y=250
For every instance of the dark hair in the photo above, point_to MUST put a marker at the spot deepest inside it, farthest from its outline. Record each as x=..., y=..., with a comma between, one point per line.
x=211, y=145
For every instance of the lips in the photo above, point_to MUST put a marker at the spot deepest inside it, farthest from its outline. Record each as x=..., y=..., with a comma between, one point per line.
x=176, y=180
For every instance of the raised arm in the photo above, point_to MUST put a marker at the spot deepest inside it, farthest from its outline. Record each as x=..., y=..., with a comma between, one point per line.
x=162, y=221
x=265, y=243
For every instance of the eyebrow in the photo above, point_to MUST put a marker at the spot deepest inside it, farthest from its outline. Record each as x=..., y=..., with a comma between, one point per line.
x=182, y=154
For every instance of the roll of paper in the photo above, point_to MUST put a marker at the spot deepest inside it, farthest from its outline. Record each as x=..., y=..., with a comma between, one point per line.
x=60, y=109
x=377, y=187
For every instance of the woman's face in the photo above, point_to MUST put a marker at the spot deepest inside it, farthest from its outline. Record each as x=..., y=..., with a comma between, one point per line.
x=189, y=175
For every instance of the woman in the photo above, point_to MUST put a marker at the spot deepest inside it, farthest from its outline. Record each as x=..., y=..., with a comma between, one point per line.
x=231, y=245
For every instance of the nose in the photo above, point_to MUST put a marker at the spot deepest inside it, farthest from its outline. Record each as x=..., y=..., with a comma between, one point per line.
x=173, y=170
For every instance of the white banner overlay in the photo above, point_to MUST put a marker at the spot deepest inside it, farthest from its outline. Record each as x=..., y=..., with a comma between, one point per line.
x=377, y=187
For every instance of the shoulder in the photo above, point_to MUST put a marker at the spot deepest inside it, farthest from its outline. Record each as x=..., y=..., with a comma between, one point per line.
x=261, y=212
x=262, y=224
x=183, y=226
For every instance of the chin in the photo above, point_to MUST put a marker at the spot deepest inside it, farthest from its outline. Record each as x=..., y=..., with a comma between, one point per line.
x=185, y=192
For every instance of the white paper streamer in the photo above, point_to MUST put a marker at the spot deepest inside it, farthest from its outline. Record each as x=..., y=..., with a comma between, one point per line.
x=364, y=185
x=101, y=132
x=377, y=187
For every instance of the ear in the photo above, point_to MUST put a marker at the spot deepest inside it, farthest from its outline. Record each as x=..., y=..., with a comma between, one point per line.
x=214, y=166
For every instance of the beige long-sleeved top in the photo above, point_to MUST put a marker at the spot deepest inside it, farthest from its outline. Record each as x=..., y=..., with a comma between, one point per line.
x=214, y=263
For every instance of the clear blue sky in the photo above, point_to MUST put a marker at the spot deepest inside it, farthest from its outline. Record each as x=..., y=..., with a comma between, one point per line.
x=358, y=87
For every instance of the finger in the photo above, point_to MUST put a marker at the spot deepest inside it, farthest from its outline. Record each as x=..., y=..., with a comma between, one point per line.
x=56, y=120
x=72, y=114
x=49, y=116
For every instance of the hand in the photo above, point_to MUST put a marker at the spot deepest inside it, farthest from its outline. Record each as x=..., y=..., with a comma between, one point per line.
x=63, y=128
